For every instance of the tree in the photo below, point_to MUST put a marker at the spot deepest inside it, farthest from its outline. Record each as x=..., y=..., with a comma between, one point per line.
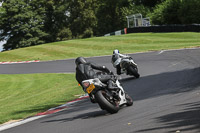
x=110, y=15
x=56, y=20
x=21, y=24
x=177, y=12
x=82, y=18
x=147, y=3
x=135, y=9
x=166, y=12
x=189, y=12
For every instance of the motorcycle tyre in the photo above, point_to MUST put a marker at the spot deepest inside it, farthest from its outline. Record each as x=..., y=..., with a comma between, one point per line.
x=105, y=104
x=129, y=100
x=134, y=71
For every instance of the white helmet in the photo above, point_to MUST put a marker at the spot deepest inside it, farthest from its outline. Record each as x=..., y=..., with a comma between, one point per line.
x=116, y=51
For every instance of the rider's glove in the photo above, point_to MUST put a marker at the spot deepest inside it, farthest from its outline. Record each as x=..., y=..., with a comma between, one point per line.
x=111, y=73
x=107, y=70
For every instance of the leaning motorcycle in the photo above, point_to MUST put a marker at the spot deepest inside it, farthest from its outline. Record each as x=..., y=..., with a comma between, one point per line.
x=109, y=100
x=127, y=65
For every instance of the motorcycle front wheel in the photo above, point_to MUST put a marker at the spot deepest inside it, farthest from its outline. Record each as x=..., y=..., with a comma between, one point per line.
x=129, y=100
x=106, y=103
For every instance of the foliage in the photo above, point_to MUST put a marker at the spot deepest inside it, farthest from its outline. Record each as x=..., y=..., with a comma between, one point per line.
x=82, y=17
x=64, y=34
x=133, y=9
x=21, y=24
x=177, y=12
x=26, y=23
x=110, y=15
x=189, y=12
x=147, y=3
x=55, y=19
x=166, y=12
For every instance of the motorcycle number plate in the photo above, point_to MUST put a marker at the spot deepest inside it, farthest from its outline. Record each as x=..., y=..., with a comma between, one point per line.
x=90, y=88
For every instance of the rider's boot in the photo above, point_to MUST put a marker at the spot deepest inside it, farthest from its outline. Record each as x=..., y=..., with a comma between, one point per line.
x=112, y=86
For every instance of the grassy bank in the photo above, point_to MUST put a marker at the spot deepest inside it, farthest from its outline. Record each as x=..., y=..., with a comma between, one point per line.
x=130, y=43
x=25, y=95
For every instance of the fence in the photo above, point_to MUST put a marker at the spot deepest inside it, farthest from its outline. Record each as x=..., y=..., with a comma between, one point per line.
x=166, y=28
x=158, y=28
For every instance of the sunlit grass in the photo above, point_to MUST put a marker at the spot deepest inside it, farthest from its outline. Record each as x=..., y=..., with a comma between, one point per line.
x=24, y=95
x=129, y=43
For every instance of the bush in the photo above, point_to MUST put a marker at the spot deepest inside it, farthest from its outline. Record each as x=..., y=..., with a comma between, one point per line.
x=176, y=12
x=64, y=34
x=88, y=33
x=166, y=13
x=189, y=12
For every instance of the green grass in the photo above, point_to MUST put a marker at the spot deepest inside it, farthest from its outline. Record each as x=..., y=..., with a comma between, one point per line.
x=129, y=43
x=24, y=95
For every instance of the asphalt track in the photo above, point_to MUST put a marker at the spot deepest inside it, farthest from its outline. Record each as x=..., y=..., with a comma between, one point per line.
x=166, y=97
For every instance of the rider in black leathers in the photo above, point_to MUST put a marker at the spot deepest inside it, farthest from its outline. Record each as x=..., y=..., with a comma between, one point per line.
x=85, y=70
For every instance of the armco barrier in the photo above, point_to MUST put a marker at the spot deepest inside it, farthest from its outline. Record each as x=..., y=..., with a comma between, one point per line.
x=119, y=32
x=166, y=28
x=158, y=28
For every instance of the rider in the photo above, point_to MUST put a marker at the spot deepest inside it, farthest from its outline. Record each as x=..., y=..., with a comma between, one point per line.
x=116, y=59
x=85, y=70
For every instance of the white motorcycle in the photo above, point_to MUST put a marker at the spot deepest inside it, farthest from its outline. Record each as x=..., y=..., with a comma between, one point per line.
x=109, y=100
x=127, y=65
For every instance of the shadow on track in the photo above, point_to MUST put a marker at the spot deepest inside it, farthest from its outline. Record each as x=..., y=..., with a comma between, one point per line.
x=88, y=115
x=162, y=84
x=170, y=83
x=80, y=111
x=185, y=120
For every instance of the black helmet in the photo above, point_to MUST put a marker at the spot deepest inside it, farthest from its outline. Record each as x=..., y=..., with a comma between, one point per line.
x=80, y=60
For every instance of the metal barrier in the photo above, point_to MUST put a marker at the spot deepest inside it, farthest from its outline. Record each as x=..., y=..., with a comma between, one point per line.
x=166, y=28
x=158, y=28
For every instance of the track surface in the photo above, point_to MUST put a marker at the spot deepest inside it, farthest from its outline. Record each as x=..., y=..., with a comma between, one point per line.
x=166, y=97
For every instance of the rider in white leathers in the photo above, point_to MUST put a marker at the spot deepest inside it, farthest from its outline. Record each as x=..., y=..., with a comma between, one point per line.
x=116, y=59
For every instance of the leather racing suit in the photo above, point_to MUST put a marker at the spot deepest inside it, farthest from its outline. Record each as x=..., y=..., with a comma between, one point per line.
x=88, y=71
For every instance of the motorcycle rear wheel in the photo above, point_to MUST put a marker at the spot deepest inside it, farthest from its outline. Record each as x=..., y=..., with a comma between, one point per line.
x=133, y=71
x=105, y=103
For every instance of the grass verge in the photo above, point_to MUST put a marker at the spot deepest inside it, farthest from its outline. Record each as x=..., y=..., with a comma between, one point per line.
x=129, y=43
x=24, y=95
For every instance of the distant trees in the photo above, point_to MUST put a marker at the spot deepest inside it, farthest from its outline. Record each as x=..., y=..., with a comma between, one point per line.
x=21, y=24
x=82, y=18
x=189, y=12
x=177, y=12
x=31, y=22
x=147, y=3
x=110, y=15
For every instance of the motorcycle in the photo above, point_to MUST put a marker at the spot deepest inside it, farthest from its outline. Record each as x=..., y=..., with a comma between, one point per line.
x=127, y=65
x=109, y=100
